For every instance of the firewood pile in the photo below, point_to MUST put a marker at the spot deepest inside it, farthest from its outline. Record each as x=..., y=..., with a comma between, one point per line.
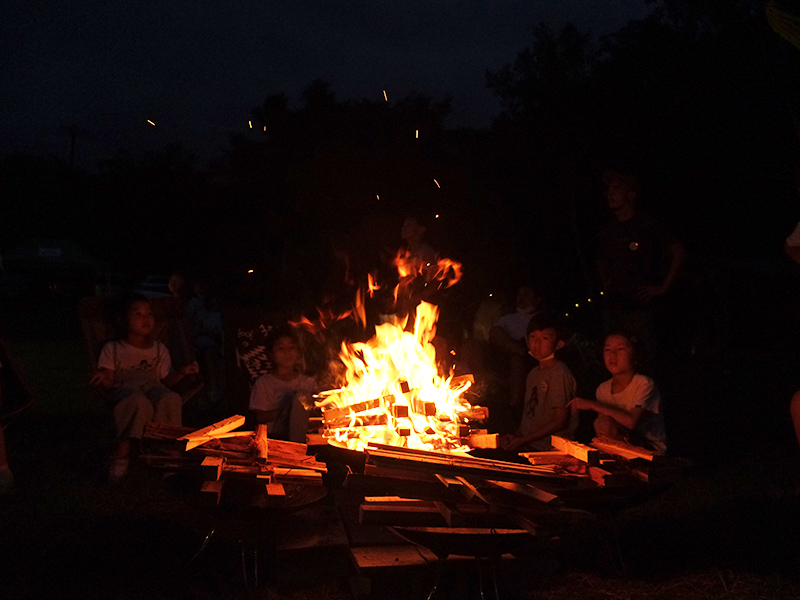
x=220, y=455
x=419, y=492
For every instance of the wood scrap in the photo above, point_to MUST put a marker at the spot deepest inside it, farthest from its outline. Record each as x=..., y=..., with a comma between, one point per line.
x=212, y=467
x=582, y=452
x=206, y=434
x=211, y=491
x=625, y=450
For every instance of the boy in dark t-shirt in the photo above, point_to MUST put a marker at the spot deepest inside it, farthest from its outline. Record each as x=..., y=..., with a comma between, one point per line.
x=548, y=389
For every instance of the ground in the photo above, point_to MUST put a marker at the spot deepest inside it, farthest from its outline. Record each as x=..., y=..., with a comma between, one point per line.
x=730, y=530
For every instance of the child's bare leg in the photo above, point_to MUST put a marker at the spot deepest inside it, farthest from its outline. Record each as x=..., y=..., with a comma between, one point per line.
x=122, y=448
x=605, y=426
x=794, y=410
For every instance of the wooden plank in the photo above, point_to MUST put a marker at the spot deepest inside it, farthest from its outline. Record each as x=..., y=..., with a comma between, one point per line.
x=552, y=457
x=212, y=467
x=287, y=447
x=582, y=452
x=470, y=491
x=262, y=442
x=483, y=440
x=449, y=481
x=212, y=491
x=201, y=436
x=296, y=475
x=451, y=464
x=625, y=450
x=405, y=555
x=605, y=478
x=275, y=489
x=340, y=412
x=386, y=500
x=525, y=489
x=414, y=514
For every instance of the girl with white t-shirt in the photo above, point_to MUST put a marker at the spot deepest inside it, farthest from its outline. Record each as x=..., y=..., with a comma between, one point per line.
x=277, y=398
x=628, y=405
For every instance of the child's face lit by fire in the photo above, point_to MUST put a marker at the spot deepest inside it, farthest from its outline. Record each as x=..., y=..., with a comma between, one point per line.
x=140, y=319
x=542, y=343
x=618, y=355
x=285, y=355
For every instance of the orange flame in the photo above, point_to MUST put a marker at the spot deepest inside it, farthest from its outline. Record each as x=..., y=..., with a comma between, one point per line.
x=392, y=391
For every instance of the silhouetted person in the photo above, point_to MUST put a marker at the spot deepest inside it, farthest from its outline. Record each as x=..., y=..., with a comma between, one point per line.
x=638, y=261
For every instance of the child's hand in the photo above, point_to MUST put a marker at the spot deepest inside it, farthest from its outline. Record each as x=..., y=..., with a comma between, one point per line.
x=191, y=369
x=510, y=442
x=577, y=404
x=102, y=378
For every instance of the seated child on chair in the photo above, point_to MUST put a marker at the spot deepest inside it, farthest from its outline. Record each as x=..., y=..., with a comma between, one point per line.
x=136, y=372
x=277, y=397
x=548, y=389
x=628, y=405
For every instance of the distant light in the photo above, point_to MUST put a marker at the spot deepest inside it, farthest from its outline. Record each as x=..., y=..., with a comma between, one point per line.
x=437, y=184
x=453, y=352
x=436, y=217
x=588, y=299
x=151, y=123
x=250, y=270
x=576, y=305
x=601, y=293
x=377, y=196
x=385, y=97
x=417, y=135
x=250, y=123
x=566, y=314
x=490, y=295
x=265, y=127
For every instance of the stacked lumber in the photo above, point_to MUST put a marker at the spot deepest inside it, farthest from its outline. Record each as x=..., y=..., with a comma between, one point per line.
x=218, y=453
x=612, y=463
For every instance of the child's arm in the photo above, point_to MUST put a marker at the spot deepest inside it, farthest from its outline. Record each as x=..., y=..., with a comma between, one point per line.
x=557, y=422
x=176, y=376
x=625, y=418
x=102, y=378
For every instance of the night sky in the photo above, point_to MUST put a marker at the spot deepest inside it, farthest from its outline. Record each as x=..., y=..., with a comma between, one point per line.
x=197, y=67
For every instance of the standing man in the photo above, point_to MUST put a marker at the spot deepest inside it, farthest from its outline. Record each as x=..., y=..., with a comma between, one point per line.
x=638, y=261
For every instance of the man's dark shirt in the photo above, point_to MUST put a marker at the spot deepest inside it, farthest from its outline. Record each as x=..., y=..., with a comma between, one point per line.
x=636, y=253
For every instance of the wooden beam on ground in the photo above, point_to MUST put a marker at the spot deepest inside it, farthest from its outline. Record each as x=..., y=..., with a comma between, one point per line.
x=525, y=489
x=212, y=491
x=417, y=513
x=625, y=450
x=212, y=467
x=582, y=452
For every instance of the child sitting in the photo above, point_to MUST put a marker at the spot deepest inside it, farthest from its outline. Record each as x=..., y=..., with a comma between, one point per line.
x=136, y=371
x=628, y=405
x=548, y=389
x=279, y=399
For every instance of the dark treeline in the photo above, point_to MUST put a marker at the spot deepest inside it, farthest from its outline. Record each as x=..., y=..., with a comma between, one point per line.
x=699, y=100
